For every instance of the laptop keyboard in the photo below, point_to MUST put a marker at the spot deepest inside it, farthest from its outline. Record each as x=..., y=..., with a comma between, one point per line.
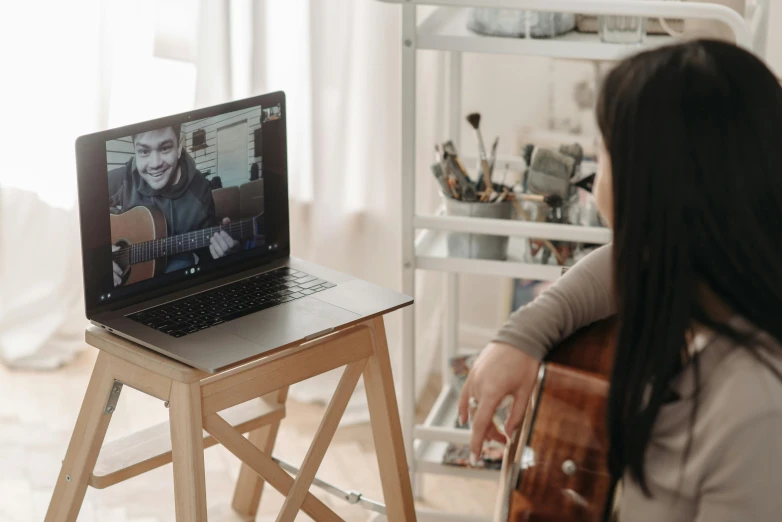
x=247, y=296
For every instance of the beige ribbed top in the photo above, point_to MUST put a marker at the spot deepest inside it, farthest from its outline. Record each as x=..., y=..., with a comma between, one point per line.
x=735, y=464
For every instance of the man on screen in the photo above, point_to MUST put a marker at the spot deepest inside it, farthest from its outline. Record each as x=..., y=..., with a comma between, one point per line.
x=162, y=174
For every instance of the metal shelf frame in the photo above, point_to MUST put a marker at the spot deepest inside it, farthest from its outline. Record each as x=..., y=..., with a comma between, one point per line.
x=423, y=235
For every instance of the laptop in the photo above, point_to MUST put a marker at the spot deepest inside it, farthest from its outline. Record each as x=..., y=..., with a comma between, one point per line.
x=186, y=239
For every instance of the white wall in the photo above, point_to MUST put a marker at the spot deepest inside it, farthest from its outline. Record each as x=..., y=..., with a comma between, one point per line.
x=774, y=44
x=511, y=92
x=207, y=158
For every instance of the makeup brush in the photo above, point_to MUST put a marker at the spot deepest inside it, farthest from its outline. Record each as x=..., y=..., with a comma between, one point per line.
x=552, y=200
x=587, y=183
x=475, y=120
x=546, y=242
x=449, y=150
x=449, y=176
x=437, y=170
x=439, y=157
x=493, y=156
x=455, y=166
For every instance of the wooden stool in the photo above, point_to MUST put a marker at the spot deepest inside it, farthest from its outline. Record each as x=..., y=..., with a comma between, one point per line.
x=196, y=397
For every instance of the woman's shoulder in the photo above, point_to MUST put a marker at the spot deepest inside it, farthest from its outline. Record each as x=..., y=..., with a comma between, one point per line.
x=742, y=382
x=731, y=386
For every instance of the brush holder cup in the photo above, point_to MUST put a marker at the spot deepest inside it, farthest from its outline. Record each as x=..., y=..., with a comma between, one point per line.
x=478, y=246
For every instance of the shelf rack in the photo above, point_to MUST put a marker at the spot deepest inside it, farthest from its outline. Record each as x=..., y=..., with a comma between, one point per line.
x=424, y=236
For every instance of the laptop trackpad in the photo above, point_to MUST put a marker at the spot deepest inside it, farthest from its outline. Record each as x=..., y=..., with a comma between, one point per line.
x=287, y=323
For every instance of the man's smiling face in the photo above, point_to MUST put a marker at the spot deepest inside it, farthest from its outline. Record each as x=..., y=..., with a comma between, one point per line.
x=157, y=157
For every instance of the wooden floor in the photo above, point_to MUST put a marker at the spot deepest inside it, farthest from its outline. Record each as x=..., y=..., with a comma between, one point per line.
x=38, y=411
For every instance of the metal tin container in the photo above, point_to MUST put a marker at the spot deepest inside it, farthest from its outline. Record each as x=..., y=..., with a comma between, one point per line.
x=478, y=246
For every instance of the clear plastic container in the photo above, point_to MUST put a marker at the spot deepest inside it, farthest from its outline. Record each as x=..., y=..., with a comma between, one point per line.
x=622, y=29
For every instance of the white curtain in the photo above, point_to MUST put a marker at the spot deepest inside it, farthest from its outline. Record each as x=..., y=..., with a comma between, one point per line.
x=339, y=65
x=69, y=68
x=93, y=64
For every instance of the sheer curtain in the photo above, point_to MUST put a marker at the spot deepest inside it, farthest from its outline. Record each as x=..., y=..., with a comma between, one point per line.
x=339, y=64
x=92, y=64
x=70, y=68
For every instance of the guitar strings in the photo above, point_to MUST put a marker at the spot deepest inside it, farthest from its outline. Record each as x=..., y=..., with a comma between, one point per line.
x=232, y=227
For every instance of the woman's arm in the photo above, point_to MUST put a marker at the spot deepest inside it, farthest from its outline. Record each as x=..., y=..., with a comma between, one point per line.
x=509, y=364
x=580, y=297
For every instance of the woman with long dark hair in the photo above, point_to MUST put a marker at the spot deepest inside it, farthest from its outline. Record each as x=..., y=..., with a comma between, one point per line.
x=691, y=184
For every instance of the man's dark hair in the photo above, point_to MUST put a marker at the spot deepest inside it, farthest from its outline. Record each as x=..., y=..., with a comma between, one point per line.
x=177, y=128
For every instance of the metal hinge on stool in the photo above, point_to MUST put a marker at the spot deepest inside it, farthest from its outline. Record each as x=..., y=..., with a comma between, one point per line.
x=111, y=403
x=351, y=497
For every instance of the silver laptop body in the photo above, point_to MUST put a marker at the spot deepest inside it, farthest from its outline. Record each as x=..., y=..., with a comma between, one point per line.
x=309, y=300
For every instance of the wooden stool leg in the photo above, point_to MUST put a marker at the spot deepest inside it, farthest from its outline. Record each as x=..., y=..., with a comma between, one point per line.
x=265, y=466
x=187, y=452
x=249, y=487
x=321, y=441
x=84, y=447
x=387, y=430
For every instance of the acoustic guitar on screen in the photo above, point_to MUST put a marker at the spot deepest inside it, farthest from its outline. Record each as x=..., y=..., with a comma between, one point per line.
x=140, y=233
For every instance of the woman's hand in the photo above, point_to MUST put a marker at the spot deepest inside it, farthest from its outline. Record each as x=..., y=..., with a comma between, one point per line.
x=500, y=370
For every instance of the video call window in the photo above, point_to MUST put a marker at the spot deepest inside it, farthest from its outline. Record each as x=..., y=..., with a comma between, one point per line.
x=272, y=113
x=183, y=196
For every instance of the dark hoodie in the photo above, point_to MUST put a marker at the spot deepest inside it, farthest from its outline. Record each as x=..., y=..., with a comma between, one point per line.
x=187, y=205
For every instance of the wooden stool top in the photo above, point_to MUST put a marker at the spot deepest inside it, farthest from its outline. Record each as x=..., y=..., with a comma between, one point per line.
x=169, y=368
x=141, y=356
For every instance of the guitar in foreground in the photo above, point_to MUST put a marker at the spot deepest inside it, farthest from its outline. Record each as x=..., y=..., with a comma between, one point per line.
x=554, y=469
x=140, y=234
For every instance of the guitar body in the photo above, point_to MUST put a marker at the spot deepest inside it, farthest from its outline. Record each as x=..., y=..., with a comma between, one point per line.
x=140, y=234
x=138, y=225
x=562, y=474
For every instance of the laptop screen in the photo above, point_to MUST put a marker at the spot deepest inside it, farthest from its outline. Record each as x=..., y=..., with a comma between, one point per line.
x=183, y=199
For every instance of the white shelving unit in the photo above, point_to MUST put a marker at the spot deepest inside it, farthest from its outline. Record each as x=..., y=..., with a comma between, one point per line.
x=424, y=236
